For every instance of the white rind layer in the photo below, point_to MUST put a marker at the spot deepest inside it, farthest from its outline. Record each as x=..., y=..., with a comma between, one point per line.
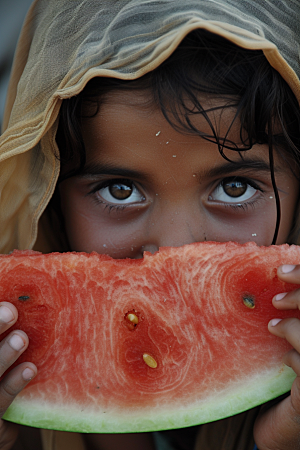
x=238, y=398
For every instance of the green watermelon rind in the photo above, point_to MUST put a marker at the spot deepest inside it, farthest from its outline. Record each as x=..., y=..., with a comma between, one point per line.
x=246, y=395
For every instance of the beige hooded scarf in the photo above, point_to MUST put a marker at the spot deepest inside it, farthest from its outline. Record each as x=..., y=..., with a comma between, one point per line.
x=65, y=43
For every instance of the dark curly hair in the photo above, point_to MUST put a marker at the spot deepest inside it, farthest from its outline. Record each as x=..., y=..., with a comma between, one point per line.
x=203, y=64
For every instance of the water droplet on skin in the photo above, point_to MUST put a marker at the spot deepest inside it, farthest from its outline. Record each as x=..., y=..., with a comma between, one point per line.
x=167, y=142
x=254, y=234
x=158, y=133
x=104, y=245
x=271, y=197
x=150, y=361
x=174, y=156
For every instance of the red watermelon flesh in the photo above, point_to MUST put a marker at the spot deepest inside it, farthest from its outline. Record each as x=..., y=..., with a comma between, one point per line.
x=174, y=339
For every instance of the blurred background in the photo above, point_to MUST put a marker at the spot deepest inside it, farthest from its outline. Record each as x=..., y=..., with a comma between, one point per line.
x=12, y=14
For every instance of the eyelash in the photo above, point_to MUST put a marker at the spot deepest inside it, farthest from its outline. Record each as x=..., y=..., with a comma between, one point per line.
x=113, y=207
x=245, y=180
x=234, y=206
x=250, y=182
x=244, y=206
x=110, y=206
x=237, y=207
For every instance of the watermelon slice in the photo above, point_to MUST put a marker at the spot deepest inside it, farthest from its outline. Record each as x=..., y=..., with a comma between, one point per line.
x=172, y=340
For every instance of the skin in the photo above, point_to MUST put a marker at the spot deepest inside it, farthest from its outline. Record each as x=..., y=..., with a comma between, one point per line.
x=177, y=197
x=146, y=185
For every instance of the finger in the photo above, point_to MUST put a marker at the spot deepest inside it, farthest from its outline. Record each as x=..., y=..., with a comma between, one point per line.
x=292, y=359
x=14, y=382
x=11, y=347
x=288, y=329
x=287, y=300
x=289, y=273
x=8, y=316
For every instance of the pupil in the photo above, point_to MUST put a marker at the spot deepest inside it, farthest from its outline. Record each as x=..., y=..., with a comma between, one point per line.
x=235, y=188
x=120, y=191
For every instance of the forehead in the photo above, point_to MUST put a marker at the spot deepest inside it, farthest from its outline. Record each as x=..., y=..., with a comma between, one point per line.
x=132, y=115
x=133, y=140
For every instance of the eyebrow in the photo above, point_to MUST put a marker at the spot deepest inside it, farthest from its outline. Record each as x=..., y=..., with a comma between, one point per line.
x=247, y=165
x=227, y=168
x=94, y=169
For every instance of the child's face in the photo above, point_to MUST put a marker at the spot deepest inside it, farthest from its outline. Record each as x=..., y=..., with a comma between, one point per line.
x=146, y=185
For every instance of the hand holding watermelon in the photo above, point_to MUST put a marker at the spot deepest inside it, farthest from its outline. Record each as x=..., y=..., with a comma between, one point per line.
x=133, y=128
x=282, y=419
x=11, y=347
x=173, y=309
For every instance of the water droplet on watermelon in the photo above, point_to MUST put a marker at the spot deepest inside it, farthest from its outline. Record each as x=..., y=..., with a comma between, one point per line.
x=149, y=360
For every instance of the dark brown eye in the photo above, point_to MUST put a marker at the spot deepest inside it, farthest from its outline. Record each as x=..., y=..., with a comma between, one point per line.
x=120, y=191
x=235, y=188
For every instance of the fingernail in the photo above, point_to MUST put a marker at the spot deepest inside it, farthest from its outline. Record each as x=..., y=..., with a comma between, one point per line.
x=280, y=296
x=6, y=315
x=16, y=342
x=28, y=374
x=274, y=322
x=286, y=268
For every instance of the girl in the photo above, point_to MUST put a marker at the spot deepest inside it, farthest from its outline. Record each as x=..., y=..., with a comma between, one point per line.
x=132, y=125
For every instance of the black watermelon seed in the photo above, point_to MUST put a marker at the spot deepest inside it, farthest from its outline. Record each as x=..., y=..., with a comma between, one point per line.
x=23, y=298
x=249, y=301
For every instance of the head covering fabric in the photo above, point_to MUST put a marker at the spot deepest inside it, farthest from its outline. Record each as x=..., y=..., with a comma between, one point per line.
x=65, y=43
